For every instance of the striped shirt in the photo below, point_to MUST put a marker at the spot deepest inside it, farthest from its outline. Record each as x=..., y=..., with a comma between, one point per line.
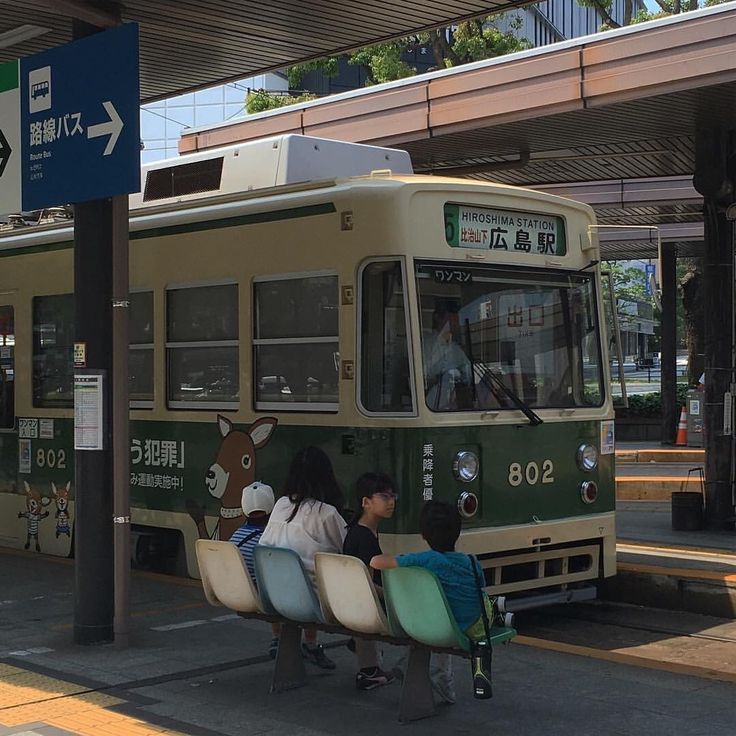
x=247, y=537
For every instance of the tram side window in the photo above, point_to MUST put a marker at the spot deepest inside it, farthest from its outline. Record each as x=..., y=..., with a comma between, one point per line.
x=7, y=368
x=140, y=356
x=53, y=348
x=295, y=346
x=202, y=347
x=385, y=382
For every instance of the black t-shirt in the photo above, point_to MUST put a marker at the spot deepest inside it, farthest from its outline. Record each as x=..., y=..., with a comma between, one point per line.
x=362, y=543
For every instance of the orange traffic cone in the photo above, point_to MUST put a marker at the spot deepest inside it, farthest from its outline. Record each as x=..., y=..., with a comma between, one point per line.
x=681, y=439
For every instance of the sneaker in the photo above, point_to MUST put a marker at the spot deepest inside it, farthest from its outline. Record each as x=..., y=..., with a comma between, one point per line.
x=373, y=677
x=316, y=656
x=273, y=647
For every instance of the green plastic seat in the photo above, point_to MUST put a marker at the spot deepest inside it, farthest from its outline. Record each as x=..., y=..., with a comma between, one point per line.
x=416, y=602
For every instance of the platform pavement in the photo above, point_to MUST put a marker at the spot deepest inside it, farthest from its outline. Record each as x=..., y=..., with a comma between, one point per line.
x=194, y=669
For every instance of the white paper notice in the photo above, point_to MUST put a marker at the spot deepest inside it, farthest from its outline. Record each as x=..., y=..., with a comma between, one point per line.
x=88, y=412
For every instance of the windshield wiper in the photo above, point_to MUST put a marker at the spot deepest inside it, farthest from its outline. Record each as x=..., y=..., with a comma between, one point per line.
x=487, y=375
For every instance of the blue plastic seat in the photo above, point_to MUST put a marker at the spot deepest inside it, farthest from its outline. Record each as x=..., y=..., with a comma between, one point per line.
x=284, y=585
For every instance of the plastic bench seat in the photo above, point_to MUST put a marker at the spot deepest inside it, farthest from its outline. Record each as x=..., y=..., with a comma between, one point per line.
x=285, y=586
x=225, y=577
x=411, y=592
x=347, y=593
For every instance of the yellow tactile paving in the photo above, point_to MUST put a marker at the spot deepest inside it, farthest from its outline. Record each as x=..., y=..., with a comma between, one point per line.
x=27, y=697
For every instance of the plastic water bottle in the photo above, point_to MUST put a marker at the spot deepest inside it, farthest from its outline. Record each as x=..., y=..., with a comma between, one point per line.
x=481, y=663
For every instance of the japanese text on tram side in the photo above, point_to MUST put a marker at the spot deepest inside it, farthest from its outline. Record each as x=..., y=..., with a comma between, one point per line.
x=428, y=471
x=157, y=454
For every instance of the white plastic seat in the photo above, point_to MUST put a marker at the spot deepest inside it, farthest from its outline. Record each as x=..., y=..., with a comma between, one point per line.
x=347, y=593
x=225, y=577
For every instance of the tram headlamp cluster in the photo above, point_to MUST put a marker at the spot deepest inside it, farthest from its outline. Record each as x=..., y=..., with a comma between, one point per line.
x=466, y=466
x=587, y=458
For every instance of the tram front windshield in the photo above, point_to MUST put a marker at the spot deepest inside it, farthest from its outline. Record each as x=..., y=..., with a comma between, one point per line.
x=491, y=334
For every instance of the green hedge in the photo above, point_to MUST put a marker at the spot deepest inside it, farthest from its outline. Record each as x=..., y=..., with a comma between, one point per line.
x=650, y=405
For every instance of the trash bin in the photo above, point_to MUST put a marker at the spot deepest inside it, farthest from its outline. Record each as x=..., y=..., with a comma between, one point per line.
x=695, y=417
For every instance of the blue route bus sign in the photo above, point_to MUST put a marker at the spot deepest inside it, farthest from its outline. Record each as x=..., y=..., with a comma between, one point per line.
x=79, y=120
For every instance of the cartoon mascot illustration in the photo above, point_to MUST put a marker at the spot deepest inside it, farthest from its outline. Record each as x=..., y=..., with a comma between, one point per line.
x=233, y=469
x=33, y=513
x=61, y=496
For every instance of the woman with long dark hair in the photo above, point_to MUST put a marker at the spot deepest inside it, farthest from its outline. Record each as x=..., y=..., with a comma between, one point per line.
x=307, y=519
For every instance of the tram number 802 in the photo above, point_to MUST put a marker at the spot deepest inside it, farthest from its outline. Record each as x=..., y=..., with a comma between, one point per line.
x=531, y=473
x=51, y=459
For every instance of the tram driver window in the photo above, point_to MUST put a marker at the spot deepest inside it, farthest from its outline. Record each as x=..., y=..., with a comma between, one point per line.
x=202, y=347
x=53, y=348
x=295, y=345
x=385, y=382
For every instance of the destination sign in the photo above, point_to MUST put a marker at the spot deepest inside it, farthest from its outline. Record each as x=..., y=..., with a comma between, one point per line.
x=486, y=228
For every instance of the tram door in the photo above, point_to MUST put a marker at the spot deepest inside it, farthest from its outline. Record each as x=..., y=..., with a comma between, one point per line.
x=7, y=368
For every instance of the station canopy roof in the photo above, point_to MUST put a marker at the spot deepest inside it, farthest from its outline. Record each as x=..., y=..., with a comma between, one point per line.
x=610, y=119
x=188, y=45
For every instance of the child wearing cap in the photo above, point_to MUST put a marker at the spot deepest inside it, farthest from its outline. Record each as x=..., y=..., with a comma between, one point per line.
x=257, y=502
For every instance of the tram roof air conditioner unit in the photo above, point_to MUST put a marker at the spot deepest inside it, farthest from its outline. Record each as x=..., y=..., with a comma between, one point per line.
x=270, y=162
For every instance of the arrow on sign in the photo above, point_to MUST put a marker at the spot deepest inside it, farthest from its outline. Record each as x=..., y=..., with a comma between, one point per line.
x=111, y=128
x=5, y=152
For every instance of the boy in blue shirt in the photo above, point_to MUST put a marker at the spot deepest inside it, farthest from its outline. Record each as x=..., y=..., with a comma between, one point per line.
x=439, y=524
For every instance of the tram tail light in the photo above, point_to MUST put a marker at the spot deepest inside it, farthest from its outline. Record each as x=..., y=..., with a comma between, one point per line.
x=588, y=491
x=467, y=504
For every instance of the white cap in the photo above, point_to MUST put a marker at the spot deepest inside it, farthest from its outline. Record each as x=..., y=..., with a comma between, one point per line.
x=257, y=497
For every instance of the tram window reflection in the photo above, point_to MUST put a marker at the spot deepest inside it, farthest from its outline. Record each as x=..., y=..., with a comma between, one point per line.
x=490, y=331
x=296, y=356
x=385, y=381
x=202, y=347
x=53, y=348
x=7, y=368
x=140, y=356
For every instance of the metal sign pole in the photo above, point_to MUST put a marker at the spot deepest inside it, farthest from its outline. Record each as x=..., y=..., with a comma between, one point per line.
x=120, y=418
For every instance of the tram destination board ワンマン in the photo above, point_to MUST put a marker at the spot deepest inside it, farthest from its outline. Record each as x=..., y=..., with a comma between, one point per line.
x=69, y=125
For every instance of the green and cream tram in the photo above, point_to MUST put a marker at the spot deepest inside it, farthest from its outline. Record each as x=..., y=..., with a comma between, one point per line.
x=445, y=331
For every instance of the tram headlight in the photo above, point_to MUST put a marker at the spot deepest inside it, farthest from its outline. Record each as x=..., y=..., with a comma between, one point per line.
x=587, y=458
x=588, y=491
x=466, y=466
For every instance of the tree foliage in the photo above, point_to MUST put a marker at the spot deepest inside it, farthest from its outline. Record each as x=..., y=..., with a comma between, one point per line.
x=629, y=282
x=260, y=100
x=471, y=40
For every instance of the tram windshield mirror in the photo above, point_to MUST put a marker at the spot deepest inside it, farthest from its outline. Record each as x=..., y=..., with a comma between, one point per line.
x=535, y=331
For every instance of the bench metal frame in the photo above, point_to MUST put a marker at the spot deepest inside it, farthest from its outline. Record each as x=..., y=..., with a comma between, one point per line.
x=417, y=699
